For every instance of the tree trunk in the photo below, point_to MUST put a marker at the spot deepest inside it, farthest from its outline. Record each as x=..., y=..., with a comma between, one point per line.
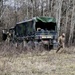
x=58, y=13
x=72, y=24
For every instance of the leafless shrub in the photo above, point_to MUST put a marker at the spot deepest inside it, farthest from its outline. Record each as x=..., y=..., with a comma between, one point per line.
x=9, y=49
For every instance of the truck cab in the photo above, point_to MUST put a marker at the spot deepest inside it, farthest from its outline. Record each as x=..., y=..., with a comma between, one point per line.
x=46, y=31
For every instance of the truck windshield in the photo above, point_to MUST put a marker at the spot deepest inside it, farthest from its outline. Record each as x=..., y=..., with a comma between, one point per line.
x=44, y=27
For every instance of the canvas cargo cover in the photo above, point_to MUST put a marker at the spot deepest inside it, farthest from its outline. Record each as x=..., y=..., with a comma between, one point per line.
x=24, y=28
x=45, y=19
x=42, y=19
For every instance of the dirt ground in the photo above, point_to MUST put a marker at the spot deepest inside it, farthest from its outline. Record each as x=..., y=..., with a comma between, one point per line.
x=36, y=62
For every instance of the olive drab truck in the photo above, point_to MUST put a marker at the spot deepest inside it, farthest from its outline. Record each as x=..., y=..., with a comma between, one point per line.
x=40, y=29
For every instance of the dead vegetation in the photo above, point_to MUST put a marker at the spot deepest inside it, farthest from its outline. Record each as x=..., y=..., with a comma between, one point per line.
x=9, y=49
x=35, y=62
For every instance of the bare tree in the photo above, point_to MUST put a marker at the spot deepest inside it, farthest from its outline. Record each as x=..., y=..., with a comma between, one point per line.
x=72, y=24
x=58, y=13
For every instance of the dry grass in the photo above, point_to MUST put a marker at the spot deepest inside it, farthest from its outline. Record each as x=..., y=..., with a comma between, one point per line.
x=19, y=62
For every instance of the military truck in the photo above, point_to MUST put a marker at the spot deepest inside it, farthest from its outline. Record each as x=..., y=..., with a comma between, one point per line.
x=40, y=29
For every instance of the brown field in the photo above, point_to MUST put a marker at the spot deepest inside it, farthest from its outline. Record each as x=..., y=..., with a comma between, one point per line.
x=17, y=62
